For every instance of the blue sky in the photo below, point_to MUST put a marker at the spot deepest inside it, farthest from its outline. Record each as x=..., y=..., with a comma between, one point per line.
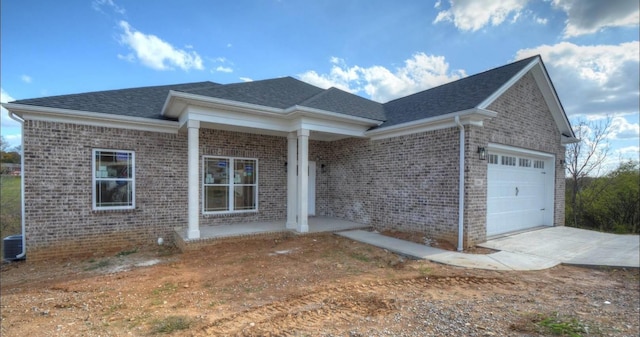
x=377, y=49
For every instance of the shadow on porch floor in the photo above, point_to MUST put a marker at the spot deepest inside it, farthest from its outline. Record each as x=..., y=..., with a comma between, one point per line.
x=210, y=235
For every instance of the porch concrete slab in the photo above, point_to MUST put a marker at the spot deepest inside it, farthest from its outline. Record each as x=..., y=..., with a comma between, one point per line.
x=495, y=261
x=573, y=246
x=317, y=224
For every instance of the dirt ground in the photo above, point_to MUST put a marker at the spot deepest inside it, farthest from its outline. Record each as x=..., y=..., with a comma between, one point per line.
x=314, y=285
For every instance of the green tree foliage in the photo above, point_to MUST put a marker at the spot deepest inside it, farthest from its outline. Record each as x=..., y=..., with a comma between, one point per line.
x=610, y=203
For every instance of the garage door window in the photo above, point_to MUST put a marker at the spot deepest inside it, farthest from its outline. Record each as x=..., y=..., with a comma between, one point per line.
x=508, y=161
x=493, y=159
x=524, y=162
x=539, y=164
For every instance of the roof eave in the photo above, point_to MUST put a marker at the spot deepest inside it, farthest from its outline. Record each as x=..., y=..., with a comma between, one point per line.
x=34, y=112
x=474, y=116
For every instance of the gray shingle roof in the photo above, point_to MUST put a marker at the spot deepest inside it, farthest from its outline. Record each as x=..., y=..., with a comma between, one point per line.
x=459, y=95
x=346, y=103
x=278, y=93
x=285, y=92
x=144, y=102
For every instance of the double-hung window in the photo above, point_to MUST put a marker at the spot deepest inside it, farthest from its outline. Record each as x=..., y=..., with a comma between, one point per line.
x=230, y=184
x=113, y=179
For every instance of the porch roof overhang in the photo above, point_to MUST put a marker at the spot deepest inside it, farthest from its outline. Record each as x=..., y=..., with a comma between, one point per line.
x=217, y=113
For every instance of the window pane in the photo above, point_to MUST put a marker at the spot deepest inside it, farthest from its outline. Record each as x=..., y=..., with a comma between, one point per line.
x=216, y=171
x=114, y=164
x=114, y=193
x=244, y=198
x=245, y=171
x=216, y=198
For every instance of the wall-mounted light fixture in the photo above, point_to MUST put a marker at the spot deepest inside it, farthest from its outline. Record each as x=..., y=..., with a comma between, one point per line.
x=563, y=163
x=482, y=153
x=323, y=168
x=286, y=165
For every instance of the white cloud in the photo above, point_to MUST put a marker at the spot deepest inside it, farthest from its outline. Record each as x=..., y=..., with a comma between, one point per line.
x=224, y=69
x=129, y=57
x=598, y=79
x=622, y=129
x=98, y=5
x=591, y=16
x=420, y=72
x=26, y=78
x=155, y=53
x=11, y=129
x=628, y=151
x=473, y=15
x=246, y=79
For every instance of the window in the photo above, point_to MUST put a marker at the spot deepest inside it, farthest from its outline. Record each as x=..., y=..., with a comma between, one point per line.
x=493, y=158
x=230, y=184
x=113, y=179
x=509, y=161
x=524, y=162
x=539, y=164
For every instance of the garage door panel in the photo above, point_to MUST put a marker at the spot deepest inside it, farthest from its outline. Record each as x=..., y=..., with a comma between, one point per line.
x=516, y=194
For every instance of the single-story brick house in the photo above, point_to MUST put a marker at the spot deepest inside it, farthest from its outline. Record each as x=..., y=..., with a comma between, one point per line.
x=112, y=169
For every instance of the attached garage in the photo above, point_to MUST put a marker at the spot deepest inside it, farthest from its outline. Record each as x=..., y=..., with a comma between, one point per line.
x=520, y=189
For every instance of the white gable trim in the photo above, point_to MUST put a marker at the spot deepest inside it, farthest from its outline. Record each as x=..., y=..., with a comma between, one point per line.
x=38, y=113
x=536, y=67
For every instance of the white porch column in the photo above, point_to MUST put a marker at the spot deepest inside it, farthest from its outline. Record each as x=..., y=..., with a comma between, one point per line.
x=303, y=181
x=292, y=188
x=193, y=128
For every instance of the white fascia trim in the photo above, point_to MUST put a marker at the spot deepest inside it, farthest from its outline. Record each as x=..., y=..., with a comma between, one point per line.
x=38, y=113
x=255, y=109
x=467, y=117
x=518, y=150
x=508, y=84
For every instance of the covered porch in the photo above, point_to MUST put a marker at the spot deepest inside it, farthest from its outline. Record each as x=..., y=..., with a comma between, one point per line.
x=297, y=124
x=212, y=234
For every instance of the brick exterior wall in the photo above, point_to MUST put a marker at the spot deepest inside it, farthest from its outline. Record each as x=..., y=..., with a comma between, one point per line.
x=408, y=182
x=59, y=219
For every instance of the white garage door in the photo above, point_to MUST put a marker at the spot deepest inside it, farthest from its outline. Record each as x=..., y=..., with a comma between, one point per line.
x=520, y=190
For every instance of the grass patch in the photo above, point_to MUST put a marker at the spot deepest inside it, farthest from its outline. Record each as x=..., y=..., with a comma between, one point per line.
x=97, y=265
x=166, y=289
x=10, y=207
x=554, y=325
x=361, y=257
x=424, y=271
x=127, y=252
x=170, y=324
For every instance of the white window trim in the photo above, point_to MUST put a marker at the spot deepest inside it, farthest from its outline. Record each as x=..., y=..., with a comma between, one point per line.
x=232, y=162
x=95, y=207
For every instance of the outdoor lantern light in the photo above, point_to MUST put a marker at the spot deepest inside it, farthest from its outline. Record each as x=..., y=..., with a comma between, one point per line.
x=482, y=153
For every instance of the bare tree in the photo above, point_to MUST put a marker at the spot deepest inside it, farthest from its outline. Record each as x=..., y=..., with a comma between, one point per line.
x=586, y=158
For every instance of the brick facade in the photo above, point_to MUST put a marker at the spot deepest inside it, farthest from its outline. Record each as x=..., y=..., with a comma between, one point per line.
x=408, y=182
x=59, y=219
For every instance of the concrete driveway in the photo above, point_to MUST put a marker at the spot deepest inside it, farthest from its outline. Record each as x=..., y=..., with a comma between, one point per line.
x=573, y=246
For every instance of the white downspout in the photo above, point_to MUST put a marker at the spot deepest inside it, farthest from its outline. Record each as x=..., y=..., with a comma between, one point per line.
x=461, y=187
x=24, y=234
